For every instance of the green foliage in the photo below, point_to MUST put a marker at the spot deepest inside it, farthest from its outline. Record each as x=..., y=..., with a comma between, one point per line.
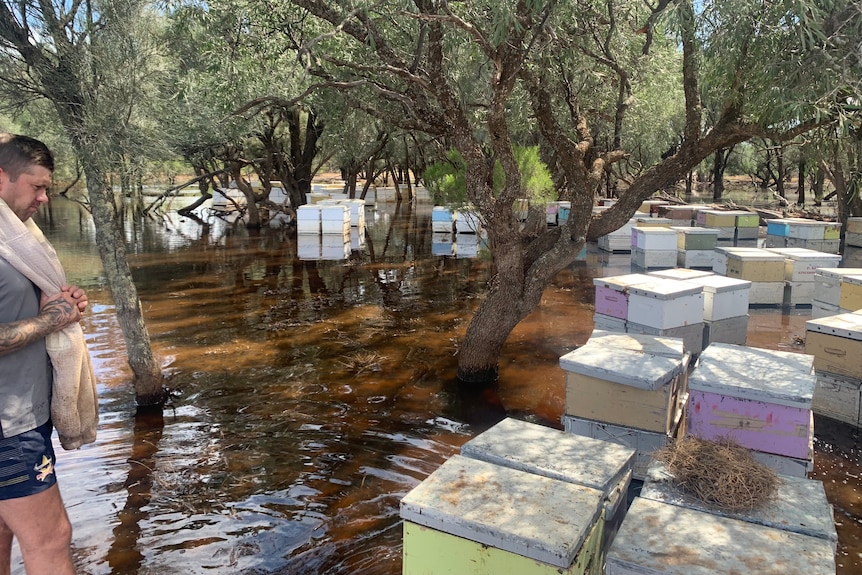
x=447, y=182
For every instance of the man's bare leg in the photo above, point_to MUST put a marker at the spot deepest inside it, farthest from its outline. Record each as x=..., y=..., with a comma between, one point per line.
x=5, y=549
x=43, y=530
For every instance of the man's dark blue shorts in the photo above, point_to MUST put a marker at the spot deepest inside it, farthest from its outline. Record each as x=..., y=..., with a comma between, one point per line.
x=27, y=463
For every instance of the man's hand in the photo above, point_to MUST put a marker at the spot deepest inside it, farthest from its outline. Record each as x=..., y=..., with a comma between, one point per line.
x=63, y=308
x=79, y=295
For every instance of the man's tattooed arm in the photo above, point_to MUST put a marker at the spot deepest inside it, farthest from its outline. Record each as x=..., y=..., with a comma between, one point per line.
x=56, y=313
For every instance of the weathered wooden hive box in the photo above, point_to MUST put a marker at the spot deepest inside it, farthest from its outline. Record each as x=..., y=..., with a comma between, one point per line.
x=838, y=397
x=681, y=215
x=723, y=252
x=663, y=303
x=651, y=206
x=473, y=517
x=759, y=398
x=612, y=293
x=756, y=266
x=695, y=238
x=619, y=240
x=799, y=504
x=622, y=386
x=525, y=446
x=442, y=219
x=836, y=344
x=652, y=222
x=853, y=232
x=661, y=539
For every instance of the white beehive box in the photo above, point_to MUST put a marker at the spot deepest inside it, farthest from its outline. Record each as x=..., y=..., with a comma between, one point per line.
x=799, y=505
x=798, y=293
x=661, y=539
x=645, y=443
x=308, y=219
x=839, y=398
x=703, y=259
x=766, y=293
x=723, y=297
x=654, y=238
x=553, y=453
x=732, y=330
x=308, y=246
x=680, y=274
x=800, y=264
x=664, y=304
x=334, y=219
x=467, y=509
x=691, y=334
x=820, y=309
x=828, y=284
x=467, y=222
x=442, y=219
x=649, y=259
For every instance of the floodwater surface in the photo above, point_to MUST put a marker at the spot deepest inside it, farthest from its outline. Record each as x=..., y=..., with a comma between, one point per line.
x=311, y=395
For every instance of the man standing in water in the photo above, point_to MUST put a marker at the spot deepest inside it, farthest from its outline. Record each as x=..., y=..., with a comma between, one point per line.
x=31, y=508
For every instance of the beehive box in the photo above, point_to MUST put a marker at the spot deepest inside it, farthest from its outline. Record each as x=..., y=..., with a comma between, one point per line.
x=631, y=368
x=826, y=246
x=645, y=443
x=442, y=219
x=442, y=244
x=854, y=225
x=730, y=330
x=798, y=293
x=552, y=453
x=779, y=226
x=671, y=347
x=717, y=218
x=308, y=246
x=759, y=398
x=799, y=505
x=853, y=239
x=612, y=293
x=564, y=211
x=800, y=264
x=792, y=466
x=723, y=297
x=745, y=219
x=836, y=344
x=660, y=238
x=619, y=240
x=609, y=323
x=648, y=206
x=771, y=241
x=850, y=292
x=657, y=538
x=334, y=219
x=467, y=245
x=838, y=398
x=651, y=259
x=828, y=284
x=473, y=517
x=766, y=293
x=755, y=266
x=807, y=229
x=722, y=253
x=691, y=334
x=467, y=222
x=695, y=238
x=680, y=274
x=308, y=219
x=697, y=259
x=679, y=213
x=652, y=222
x=664, y=304
x=820, y=309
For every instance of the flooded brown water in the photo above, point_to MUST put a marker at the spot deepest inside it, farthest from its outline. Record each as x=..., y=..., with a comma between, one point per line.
x=311, y=395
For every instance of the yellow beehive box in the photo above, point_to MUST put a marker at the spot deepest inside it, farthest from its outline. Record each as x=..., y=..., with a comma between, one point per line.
x=836, y=344
x=850, y=297
x=759, y=266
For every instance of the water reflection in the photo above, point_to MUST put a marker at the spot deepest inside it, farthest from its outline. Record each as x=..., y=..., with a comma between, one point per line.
x=313, y=394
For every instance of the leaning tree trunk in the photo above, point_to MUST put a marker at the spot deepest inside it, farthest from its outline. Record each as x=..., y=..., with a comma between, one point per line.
x=149, y=380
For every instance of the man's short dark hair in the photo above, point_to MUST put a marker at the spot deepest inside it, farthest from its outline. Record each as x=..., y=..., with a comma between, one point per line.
x=18, y=153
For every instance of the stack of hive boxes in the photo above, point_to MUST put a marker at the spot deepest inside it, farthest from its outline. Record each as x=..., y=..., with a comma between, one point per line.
x=323, y=231
x=653, y=247
x=836, y=344
x=682, y=215
x=725, y=304
x=619, y=240
x=835, y=288
x=800, y=265
x=722, y=220
x=803, y=233
x=488, y=510
x=747, y=226
x=764, y=269
x=357, y=220
x=791, y=534
x=853, y=232
x=762, y=399
x=442, y=226
x=651, y=305
x=695, y=246
x=627, y=389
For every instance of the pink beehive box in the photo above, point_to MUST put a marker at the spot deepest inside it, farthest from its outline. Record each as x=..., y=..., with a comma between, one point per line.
x=759, y=398
x=612, y=295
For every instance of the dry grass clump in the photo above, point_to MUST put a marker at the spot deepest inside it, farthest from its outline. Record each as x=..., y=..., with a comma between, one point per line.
x=721, y=474
x=362, y=361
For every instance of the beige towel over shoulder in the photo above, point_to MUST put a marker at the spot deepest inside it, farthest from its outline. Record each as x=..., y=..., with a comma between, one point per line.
x=74, y=405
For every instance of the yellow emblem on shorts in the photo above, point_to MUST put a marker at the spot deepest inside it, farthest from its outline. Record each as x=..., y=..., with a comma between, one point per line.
x=45, y=468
